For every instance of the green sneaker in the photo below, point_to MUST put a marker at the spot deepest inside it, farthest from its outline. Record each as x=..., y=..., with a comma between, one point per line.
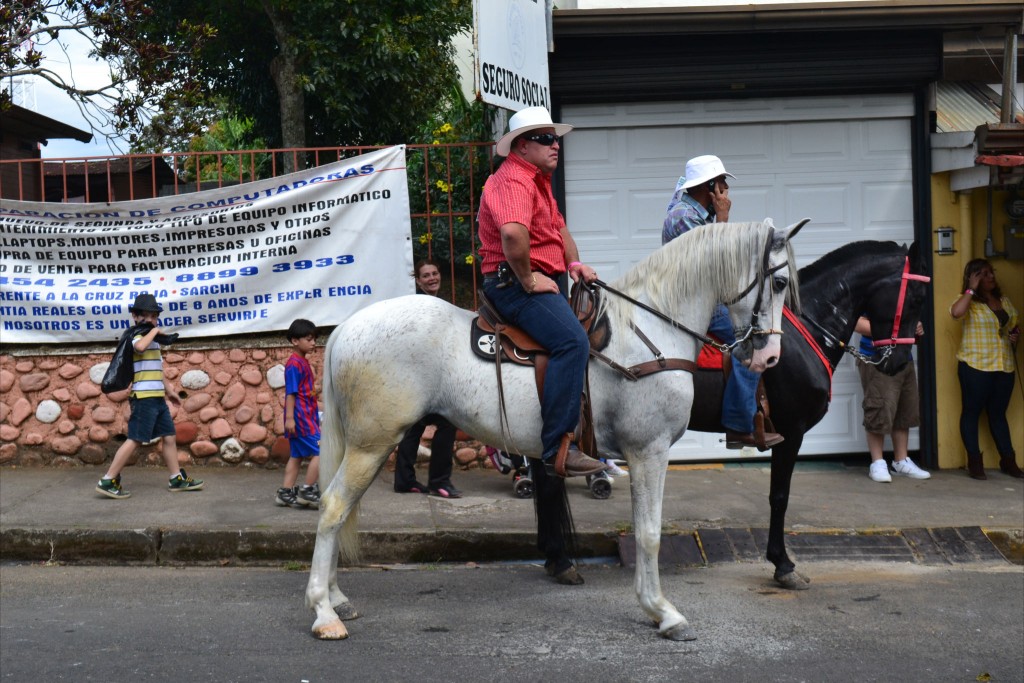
x=183, y=482
x=112, y=488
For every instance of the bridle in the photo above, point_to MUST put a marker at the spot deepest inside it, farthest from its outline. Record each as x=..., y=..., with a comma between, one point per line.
x=753, y=329
x=895, y=339
x=887, y=346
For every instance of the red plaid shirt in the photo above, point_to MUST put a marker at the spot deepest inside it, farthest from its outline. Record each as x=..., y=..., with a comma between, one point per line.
x=519, y=193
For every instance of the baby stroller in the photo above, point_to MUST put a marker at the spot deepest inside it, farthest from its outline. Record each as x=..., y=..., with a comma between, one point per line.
x=600, y=484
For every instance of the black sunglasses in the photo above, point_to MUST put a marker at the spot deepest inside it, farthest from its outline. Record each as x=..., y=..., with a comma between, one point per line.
x=546, y=139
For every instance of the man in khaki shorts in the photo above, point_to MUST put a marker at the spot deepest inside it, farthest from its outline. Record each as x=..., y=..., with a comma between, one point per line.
x=891, y=406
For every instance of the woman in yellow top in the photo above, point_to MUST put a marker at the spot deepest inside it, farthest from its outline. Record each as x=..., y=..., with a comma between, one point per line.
x=985, y=367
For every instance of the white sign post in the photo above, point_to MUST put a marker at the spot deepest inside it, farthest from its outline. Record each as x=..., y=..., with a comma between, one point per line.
x=512, y=53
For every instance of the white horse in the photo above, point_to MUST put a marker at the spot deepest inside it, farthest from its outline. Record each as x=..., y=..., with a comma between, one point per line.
x=395, y=361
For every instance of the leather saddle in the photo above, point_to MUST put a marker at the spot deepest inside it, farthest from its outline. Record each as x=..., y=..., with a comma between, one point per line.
x=519, y=347
x=494, y=340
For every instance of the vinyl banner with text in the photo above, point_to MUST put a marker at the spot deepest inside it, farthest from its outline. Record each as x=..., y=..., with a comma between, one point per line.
x=317, y=244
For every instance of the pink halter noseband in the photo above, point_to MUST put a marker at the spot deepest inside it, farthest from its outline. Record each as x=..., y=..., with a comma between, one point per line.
x=896, y=339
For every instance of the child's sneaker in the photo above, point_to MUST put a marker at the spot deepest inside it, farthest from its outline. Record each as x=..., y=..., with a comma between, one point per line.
x=908, y=468
x=614, y=470
x=499, y=460
x=183, y=482
x=112, y=488
x=287, y=498
x=310, y=496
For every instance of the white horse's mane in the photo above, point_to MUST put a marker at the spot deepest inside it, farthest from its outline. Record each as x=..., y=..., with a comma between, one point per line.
x=714, y=258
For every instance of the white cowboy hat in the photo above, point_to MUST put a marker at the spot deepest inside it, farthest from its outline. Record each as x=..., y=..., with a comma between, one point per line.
x=525, y=120
x=702, y=169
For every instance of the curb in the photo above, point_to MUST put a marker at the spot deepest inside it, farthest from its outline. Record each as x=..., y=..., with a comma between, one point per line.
x=698, y=547
x=155, y=546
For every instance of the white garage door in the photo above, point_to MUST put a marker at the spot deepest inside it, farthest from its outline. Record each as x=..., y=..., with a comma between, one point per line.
x=845, y=162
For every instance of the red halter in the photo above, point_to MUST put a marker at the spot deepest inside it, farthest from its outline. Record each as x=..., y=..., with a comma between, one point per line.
x=896, y=339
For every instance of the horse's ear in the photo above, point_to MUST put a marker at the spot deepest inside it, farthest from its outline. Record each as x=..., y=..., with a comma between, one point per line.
x=792, y=230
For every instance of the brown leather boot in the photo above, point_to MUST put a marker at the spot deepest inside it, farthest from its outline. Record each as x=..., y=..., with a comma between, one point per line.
x=975, y=467
x=571, y=462
x=735, y=440
x=1008, y=465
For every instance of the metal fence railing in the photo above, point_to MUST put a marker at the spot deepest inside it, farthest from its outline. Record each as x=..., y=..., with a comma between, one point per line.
x=444, y=187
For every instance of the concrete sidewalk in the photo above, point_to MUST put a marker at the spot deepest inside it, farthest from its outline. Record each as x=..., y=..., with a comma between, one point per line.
x=719, y=512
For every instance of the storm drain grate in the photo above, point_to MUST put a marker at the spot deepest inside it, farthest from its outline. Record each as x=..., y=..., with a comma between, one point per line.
x=944, y=545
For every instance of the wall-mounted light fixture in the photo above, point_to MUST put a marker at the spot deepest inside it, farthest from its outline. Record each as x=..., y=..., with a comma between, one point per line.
x=945, y=241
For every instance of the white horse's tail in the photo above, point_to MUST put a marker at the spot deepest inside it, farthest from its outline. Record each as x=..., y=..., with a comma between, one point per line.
x=332, y=452
x=332, y=432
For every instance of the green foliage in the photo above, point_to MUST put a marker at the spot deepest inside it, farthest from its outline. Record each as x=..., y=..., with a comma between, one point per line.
x=445, y=180
x=229, y=134
x=352, y=72
x=366, y=72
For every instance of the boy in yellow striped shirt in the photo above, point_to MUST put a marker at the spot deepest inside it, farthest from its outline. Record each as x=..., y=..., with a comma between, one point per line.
x=150, y=418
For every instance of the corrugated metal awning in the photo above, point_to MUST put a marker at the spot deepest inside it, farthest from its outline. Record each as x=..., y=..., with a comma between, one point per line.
x=963, y=106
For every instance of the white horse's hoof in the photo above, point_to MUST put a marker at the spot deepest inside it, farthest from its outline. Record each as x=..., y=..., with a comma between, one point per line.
x=346, y=611
x=330, y=630
x=794, y=580
x=679, y=632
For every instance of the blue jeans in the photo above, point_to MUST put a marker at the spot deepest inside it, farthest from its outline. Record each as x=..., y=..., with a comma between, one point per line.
x=150, y=418
x=991, y=392
x=549, y=320
x=739, y=402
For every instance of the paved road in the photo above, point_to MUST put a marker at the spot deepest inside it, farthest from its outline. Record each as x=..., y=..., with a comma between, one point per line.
x=859, y=622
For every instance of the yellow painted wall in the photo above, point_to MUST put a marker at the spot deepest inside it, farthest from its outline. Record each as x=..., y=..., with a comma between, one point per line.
x=968, y=214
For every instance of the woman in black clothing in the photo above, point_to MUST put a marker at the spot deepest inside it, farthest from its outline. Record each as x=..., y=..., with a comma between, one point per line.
x=439, y=483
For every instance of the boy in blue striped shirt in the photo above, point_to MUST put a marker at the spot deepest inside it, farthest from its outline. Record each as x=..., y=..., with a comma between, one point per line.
x=150, y=418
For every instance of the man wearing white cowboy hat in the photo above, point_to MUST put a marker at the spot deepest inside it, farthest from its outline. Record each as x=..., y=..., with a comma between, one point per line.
x=702, y=197
x=525, y=247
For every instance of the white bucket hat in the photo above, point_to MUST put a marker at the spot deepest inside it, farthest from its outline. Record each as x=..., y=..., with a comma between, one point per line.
x=702, y=169
x=525, y=120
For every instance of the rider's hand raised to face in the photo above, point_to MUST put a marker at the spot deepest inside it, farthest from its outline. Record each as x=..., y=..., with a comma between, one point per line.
x=721, y=201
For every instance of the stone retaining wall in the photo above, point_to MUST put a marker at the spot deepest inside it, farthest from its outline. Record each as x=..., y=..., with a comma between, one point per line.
x=52, y=411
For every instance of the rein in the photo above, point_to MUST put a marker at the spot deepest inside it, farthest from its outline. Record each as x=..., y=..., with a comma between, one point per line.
x=752, y=329
x=661, y=363
x=886, y=346
x=832, y=340
x=658, y=314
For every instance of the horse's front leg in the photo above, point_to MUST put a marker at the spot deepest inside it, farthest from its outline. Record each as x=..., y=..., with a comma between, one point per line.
x=783, y=462
x=647, y=485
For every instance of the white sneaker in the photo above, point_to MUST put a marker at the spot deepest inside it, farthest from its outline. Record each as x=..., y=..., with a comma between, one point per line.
x=614, y=470
x=879, y=472
x=907, y=468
